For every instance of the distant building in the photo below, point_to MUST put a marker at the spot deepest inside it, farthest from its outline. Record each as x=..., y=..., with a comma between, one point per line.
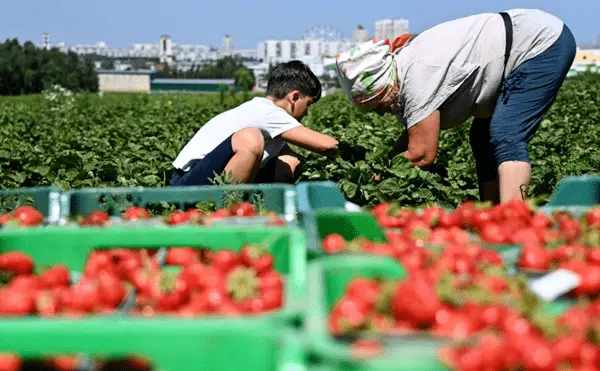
x=278, y=51
x=150, y=82
x=360, y=35
x=390, y=28
x=159, y=85
x=125, y=81
x=227, y=45
x=46, y=40
x=590, y=56
x=166, y=49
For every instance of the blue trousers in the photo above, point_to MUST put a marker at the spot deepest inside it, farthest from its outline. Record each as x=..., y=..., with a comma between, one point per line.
x=526, y=95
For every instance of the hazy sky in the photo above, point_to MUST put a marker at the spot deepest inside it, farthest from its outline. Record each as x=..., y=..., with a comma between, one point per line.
x=121, y=23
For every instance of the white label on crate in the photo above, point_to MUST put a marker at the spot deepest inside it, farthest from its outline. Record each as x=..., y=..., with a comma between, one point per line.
x=352, y=207
x=555, y=284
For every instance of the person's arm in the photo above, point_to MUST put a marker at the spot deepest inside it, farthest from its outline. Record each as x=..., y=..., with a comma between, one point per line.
x=311, y=140
x=423, y=140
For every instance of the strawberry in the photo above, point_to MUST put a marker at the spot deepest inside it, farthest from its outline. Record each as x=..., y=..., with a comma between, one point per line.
x=243, y=209
x=16, y=263
x=416, y=300
x=28, y=216
x=178, y=217
x=136, y=213
x=334, y=243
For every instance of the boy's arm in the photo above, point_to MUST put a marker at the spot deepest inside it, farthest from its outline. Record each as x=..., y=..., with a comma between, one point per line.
x=311, y=140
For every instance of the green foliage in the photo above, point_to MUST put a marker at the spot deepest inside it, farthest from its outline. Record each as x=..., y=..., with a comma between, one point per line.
x=84, y=140
x=26, y=69
x=244, y=78
x=224, y=68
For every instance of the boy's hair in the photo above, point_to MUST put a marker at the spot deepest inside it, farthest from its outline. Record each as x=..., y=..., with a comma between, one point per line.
x=293, y=75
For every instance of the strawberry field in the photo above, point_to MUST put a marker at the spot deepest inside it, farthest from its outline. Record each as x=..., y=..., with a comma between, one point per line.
x=97, y=273
x=130, y=140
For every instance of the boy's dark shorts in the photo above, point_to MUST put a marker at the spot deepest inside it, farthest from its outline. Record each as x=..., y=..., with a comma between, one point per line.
x=202, y=171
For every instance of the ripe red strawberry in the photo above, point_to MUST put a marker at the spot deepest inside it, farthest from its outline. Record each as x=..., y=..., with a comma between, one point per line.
x=10, y=362
x=182, y=256
x=416, y=300
x=56, y=276
x=28, y=216
x=243, y=209
x=16, y=263
x=534, y=257
x=256, y=257
x=136, y=213
x=334, y=243
x=593, y=218
x=16, y=302
x=226, y=259
x=95, y=218
x=178, y=217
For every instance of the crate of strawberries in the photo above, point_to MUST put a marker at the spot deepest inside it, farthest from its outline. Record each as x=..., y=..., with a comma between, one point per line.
x=29, y=207
x=212, y=205
x=73, y=362
x=176, y=286
x=321, y=223
x=369, y=313
x=345, y=320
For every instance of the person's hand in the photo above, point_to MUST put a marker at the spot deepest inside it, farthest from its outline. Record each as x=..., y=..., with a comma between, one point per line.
x=421, y=156
x=423, y=141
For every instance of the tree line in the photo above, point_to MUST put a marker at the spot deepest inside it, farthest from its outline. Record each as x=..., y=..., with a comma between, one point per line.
x=27, y=69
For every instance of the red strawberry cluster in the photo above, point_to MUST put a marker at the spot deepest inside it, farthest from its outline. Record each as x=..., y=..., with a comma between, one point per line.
x=12, y=362
x=100, y=290
x=211, y=282
x=548, y=242
x=514, y=222
x=570, y=343
x=221, y=282
x=454, y=307
x=431, y=253
x=179, y=217
x=23, y=216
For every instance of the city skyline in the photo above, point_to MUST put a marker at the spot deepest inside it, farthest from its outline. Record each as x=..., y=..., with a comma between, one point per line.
x=121, y=24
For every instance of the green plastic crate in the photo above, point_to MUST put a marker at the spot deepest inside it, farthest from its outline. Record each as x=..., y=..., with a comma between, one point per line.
x=280, y=198
x=170, y=344
x=71, y=246
x=320, y=223
x=177, y=344
x=328, y=278
x=583, y=191
x=318, y=195
x=44, y=199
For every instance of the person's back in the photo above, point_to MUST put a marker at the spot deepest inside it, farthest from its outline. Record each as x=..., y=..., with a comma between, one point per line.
x=252, y=114
x=249, y=141
x=464, y=59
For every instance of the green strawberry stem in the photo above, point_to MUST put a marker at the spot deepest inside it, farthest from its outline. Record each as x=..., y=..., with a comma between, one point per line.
x=243, y=284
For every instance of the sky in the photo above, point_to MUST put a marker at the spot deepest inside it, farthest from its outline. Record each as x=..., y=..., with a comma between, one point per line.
x=121, y=23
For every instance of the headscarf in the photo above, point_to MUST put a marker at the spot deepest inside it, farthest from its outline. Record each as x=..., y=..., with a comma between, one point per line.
x=367, y=72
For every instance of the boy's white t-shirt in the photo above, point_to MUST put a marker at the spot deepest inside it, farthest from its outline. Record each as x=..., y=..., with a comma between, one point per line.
x=259, y=113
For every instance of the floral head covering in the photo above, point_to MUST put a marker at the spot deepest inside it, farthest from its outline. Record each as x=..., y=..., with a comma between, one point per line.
x=368, y=72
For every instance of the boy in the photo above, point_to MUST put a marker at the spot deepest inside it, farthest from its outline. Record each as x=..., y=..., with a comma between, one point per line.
x=250, y=141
